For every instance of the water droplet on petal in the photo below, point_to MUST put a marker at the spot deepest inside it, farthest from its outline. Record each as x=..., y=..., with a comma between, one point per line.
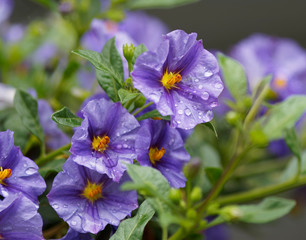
x=55, y=206
x=214, y=104
x=125, y=145
x=187, y=112
x=196, y=80
x=119, y=146
x=200, y=86
x=208, y=73
x=4, y=193
x=25, y=165
x=205, y=95
x=209, y=115
x=73, y=223
x=180, y=111
x=30, y=171
x=218, y=85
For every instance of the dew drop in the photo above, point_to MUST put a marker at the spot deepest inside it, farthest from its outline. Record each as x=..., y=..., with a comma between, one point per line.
x=119, y=146
x=65, y=205
x=218, y=85
x=73, y=223
x=200, y=86
x=30, y=171
x=180, y=111
x=205, y=96
x=187, y=112
x=208, y=73
x=196, y=80
x=55, y=206
x=25, y=165
x=4, y=193
x=125, y=145
x=214, y=104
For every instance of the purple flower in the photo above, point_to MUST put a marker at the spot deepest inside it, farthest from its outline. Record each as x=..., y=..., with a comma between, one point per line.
x=93, y=97
x=105, y=140
x=73, y=235
x=18, y=173
x=88, y=200
x=13, y=33
x=284, y=59
x=218, y=232
x=180, y=78
x=19, y=219
x=55, y=138
x=160, y=146
x=6, y=8
x=44, y=53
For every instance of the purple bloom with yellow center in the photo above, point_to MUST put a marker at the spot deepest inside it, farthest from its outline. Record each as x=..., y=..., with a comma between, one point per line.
x=105, y=140
x=88, y=200
x=18, y=173
x=161, y=147
x=284, y=59
x=19, y=219
x=181, y=78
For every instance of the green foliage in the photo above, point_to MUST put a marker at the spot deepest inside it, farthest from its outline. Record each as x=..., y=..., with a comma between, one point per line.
x=54, y=166
x=132, y=229
x=138, y=50
x=66, y=118
x=131, y=100
x=211, y=127
x=109, y=69
x=269, y=209
x=234, y=77
x=146, y=4
x=292, y=141
x=213, y=174
x=26, y=107
x=283, y=116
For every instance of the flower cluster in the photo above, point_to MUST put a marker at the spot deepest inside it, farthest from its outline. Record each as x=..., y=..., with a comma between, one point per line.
x=20, y=186
x=181, y=78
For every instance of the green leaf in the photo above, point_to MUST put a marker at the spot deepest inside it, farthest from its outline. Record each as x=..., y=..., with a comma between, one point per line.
x=132, y=229
x=66, y=118
x=283, y=116
x=234, y=77
x=211, y=127
x=109, y=68
x=55, y=165
x=26, y=107
x=293, y=142
x=138, y=50
x=213, y=174
x=153, y=114
x=48, y=3
x=131, y=100
x=147, y=180
x=146, y=4
x=268, y=210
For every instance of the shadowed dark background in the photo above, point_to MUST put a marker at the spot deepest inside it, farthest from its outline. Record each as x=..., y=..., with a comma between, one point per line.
x=221, y=24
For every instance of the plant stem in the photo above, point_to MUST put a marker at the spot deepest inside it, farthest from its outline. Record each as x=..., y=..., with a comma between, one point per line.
x=256, y=106
x=261, y=192
x=165, y=233
x=142, y=108
x=49, y=157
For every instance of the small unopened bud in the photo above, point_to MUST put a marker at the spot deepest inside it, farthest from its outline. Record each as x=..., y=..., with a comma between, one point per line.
x=175, y=195
x=128, y=52
x=231, y=213
x=196, y=194
x=232, y=118
x=191, y=214
x=258, y=137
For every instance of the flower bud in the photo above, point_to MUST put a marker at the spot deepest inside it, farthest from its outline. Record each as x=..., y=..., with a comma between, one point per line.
x=128, y=52
x=231, y=213
x=175, y=195
x=196, y=194
x=232, y=118
x=191, y=214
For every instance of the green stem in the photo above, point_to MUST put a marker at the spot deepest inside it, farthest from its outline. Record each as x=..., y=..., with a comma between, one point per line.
x=256, y=106
x=261, y=192
x=180, y=234
x=142, y=108
x=49, y=157
x=165, y=233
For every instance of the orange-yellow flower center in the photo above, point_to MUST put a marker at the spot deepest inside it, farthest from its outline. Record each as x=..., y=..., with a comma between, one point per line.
x=280, y=83
x=4, y=173
x=100, y=143
x=92, y=191
x=170, y=79
x=155, y=154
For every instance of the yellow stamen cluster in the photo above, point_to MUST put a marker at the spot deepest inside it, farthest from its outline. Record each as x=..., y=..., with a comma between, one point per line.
x=280, y=83
x=170, y=79
x=155, y=154
x=6, y=173
x=92, y=191
x=100, y=144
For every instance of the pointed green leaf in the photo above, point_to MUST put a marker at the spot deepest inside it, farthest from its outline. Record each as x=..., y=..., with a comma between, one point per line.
x=268, y=210
x=55, y=165
x=234, y=77
x=292, y=141
x=138, y=50
x=283, y=116
x=146, y=4
x=132, y=229
x=211, y=127
x=26, y=107
x=213, y=174
x=66, y=118
x=132, y=99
